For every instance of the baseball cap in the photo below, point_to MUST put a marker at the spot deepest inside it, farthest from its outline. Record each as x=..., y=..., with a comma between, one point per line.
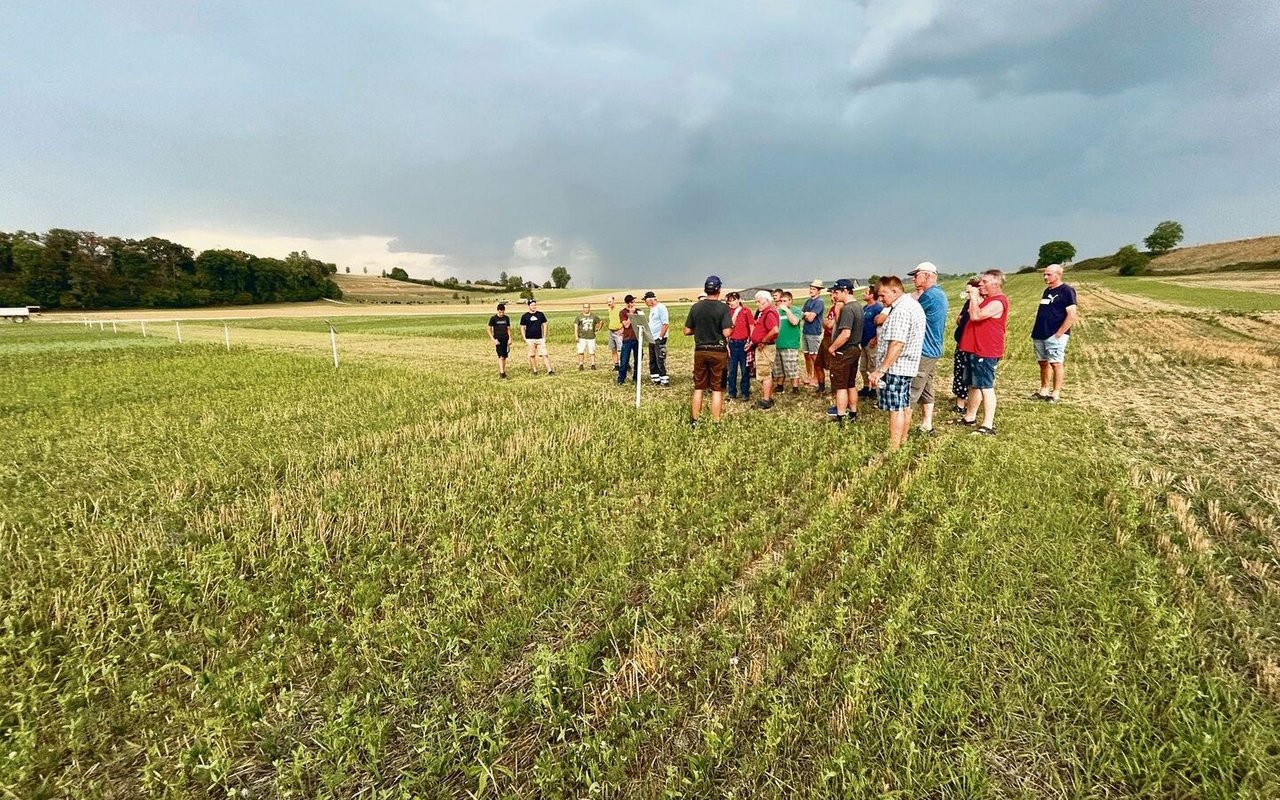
x=923, y=266
x=817, y=283
x=712, y=284
x=650, y=296
x=631, y=298
x=843, y=284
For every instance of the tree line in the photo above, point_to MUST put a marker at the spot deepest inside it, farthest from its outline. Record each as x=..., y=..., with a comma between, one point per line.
x=1128, y=260
x=82, y=270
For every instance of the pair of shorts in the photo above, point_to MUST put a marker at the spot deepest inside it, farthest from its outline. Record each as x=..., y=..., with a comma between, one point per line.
x=867, y=362
x=709, y=369
x=537, y=347
x=587, y=346
x=895, y=393
x=1051, y=350
x=844, y=370
x=980, y=373
x=812, y=343
x=502, y=347
x=786, y=364
x=764, y=355
x=615, y=341
x=922, y=383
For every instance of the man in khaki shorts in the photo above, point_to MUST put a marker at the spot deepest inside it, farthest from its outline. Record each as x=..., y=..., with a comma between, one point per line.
x=533, y=327
x=763, y=337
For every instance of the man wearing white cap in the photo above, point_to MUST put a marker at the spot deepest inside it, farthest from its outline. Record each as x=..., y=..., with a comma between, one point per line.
x=934, y=303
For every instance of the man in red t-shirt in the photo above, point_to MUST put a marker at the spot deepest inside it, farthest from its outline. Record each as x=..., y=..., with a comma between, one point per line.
x=983, y=338
x=763, y=335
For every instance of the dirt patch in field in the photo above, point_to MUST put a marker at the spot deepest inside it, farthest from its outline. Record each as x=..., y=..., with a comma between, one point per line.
x=1094, y=298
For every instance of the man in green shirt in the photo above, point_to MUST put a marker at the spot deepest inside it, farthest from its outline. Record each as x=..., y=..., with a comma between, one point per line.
x=585, y=326
x=786, y=359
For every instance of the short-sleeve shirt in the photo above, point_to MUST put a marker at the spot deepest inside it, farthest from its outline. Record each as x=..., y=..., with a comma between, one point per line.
x=766, y=322
x=869, y=322
x=788, y=334
x=585, y=325
x=934, y=303
x=815, y=305
x=708, y=319
x=628, y=332
x=501, y=327
x=905, y=324
x=1053, y=311
x=850, y=319
x=658, y=317
x=532, y=323
x=615, y=318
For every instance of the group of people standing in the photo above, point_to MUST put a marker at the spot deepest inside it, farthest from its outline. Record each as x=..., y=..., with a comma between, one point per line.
x=893, y=339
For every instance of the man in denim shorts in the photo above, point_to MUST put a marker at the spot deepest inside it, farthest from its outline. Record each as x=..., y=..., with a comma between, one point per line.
x=900, y=341
x=1054, y=318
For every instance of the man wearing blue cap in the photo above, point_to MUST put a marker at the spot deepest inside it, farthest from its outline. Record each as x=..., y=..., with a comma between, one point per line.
x=709, y=324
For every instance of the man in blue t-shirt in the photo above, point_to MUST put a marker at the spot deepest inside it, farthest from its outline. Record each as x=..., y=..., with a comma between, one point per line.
x=811, y=339
x=934, y=302
x=871, y=308
x=1054, y=317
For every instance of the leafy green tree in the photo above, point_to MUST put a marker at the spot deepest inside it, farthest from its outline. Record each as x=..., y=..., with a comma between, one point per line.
x=1165, y=237
x=1129, y=261
x=526, y=293
x=1055, y=253
x=514, y=282
x=547, y=285
x=398, y=274
x=560, y=277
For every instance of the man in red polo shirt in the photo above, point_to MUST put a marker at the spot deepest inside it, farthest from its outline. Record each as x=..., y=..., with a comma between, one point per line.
x=983, y=337
x=764, y=334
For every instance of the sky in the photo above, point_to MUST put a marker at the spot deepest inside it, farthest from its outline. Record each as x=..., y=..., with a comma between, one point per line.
x=643, y=143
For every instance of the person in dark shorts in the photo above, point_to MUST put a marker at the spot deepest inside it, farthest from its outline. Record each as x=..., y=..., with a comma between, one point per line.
x=843, y=352
x=500, y=333
x=709, y=324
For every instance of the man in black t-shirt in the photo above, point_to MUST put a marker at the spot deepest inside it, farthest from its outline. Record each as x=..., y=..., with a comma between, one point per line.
x=533, y=325
x=709, y=324
x=500, y=333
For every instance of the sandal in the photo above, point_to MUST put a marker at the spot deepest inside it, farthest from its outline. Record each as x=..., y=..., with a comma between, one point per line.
x=963, y=421
x=983, y=430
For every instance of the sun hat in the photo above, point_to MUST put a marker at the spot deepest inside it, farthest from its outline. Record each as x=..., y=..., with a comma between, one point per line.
x=923, y=266
x=817, y=283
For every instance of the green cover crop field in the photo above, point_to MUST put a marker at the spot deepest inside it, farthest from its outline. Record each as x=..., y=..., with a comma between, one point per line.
x=247, y=574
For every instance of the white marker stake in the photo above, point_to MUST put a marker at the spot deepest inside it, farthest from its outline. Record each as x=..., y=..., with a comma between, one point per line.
x=144, y=329
x=102, y=326
x=226, y=337
x=177, y=325
x=113, y=327
x=333, y=339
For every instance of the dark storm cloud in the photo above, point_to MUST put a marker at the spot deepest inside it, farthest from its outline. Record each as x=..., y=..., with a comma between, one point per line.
x=648, y=142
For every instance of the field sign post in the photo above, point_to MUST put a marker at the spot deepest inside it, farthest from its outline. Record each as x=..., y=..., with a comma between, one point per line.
x=113, y=327
x=102, y=326
x=177, y=325
x=333, y=340
x=144, y=329
x=226, y=336
x=643, y=337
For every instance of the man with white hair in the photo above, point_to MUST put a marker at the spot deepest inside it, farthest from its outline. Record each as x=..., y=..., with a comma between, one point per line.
x=1054, y=317
x=934, y=303
x=763, y=337
x=983, y=339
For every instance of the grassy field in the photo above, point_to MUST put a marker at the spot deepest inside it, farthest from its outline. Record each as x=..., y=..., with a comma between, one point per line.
x=249, y=574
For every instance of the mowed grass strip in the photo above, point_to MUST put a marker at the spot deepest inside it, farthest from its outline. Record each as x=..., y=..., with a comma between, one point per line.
x=224, y=572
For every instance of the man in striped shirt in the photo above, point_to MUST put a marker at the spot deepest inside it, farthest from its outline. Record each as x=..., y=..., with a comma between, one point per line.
x=900, y=341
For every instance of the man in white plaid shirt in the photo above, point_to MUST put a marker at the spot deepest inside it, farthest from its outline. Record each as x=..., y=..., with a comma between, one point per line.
x=900, y=341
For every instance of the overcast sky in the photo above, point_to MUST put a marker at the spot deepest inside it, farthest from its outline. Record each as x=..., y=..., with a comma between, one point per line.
x=643, y=143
